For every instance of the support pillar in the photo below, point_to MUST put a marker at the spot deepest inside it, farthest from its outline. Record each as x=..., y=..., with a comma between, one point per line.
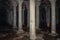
x=14, y=22
x=32, y=20
x=53, y=22
x=20, y=17
x=37, y=14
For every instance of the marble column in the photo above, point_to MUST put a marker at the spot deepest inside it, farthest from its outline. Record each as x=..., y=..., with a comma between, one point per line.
x=53, y=22
x=37, y=14
x=32, y=20
x=20, y=17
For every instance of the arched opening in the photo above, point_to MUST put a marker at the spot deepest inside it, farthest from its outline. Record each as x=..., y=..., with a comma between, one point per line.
x=45, y=16
x=17, y=16
x=42, y=17
x=24, y=16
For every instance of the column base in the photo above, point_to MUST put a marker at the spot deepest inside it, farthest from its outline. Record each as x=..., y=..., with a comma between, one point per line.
x=20, y=31
x=53, y=34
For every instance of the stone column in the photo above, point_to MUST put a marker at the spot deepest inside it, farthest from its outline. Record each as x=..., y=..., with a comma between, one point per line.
x=32, y=20
x=37, y=14
x=53, y=22
x=20, y=17
x=14, y=22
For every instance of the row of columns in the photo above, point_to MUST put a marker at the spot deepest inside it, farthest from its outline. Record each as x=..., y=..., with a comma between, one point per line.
x=13, y=16
x=14, y=3
x=32, y=18
x=12, y=13
x=53, y=19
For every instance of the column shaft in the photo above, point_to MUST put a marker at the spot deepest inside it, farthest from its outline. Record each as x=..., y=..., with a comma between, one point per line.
x=32, y=20
x=14, y=24
x=53, y=22
x=20, y=16
x=37, y=16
